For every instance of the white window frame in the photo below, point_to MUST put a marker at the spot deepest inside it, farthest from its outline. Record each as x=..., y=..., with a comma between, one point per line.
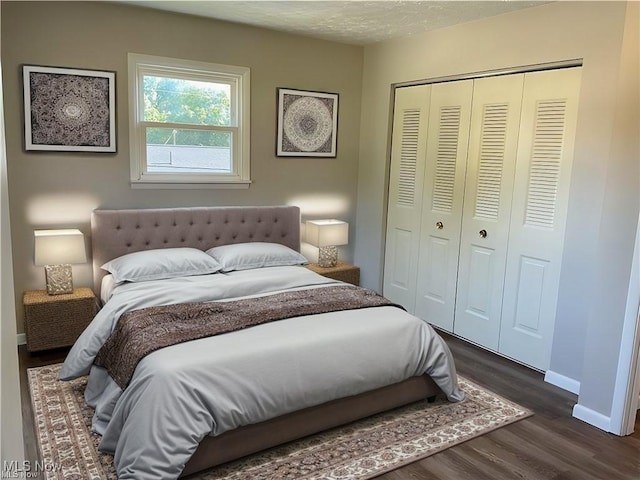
x=239, y=80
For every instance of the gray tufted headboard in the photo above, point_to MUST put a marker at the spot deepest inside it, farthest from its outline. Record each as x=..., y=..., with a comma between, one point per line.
x=117, y=232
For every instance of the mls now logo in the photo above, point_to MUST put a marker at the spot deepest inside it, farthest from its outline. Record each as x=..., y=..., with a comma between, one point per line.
x=26, y=469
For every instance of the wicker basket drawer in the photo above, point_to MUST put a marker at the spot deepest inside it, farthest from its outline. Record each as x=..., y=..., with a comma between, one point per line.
x=54, y=321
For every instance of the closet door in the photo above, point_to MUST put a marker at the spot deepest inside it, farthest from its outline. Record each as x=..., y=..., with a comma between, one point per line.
x=493, y=145
x=538, y=214
x=406, y=176
x=447, y=142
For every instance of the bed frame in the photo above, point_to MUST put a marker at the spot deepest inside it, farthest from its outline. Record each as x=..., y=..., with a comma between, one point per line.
x=117, y=232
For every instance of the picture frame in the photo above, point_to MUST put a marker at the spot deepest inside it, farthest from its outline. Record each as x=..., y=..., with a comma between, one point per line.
x=307, y=123
x=69, y=109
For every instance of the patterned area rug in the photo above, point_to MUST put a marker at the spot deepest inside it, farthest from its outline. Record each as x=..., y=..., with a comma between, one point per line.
x=358, y=451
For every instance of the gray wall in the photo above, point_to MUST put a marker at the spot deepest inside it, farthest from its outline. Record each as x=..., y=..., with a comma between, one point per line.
x=10, y=407
x=590, y=306
x=618, y=230
x=55, y=190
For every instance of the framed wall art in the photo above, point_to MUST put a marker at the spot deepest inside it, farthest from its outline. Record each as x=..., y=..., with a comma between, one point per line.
x=307, y=123
x=69, y=110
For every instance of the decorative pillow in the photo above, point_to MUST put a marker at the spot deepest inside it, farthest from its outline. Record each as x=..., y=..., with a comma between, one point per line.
x=161, y=263
x=243, y=256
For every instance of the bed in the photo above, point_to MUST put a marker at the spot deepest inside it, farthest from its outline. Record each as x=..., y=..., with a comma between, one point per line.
x=203, y=402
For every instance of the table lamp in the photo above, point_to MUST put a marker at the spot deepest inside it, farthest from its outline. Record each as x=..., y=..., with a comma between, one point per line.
x=56, y=250
x=327, y=235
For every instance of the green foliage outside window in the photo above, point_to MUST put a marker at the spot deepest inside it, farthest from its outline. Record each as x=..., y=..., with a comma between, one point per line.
x=192, y=103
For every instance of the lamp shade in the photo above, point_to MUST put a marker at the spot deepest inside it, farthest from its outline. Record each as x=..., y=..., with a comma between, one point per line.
x=55, y=247
x=325, y=233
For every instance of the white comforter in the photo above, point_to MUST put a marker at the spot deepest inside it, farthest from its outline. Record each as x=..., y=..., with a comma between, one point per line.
x=184, y=392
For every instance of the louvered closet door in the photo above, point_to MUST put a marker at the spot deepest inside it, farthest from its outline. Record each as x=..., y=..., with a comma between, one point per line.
x=447, y=142
x=406, y=176
x=538, y=215
x=485, y=229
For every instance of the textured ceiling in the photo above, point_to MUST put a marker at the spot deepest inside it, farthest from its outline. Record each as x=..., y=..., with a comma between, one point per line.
x=354, y=22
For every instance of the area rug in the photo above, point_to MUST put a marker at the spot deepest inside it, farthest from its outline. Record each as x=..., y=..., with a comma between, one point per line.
x=358, y=451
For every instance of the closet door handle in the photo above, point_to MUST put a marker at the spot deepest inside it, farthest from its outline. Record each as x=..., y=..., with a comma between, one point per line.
x=439, y=225
x=483, y=233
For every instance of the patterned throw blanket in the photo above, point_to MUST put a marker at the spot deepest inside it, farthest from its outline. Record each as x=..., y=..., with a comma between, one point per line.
x=143, y=331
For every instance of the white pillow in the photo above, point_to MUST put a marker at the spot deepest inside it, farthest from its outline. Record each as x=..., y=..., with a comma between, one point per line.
x=107, y=287
x=243, y=256
x=161, y=263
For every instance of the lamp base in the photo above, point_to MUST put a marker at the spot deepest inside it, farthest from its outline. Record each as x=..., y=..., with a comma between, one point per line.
x=328, y=256
x=59, y=279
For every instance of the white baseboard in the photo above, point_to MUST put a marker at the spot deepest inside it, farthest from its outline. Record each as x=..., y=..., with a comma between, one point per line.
x=592, y=417
x=22, y=339
x=566, y=383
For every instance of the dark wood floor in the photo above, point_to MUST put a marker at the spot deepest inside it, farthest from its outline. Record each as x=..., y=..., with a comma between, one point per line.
x=549, y=445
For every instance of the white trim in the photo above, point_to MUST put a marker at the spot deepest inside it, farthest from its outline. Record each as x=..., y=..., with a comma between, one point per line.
x=625, y=393
x=22, y=338
x=566, y=383
x=537, y=67
x=219, y=186
x=592, y=417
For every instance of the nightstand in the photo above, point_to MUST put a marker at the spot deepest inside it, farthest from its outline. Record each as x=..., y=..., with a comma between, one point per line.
x=342, y=271
x=54, y=321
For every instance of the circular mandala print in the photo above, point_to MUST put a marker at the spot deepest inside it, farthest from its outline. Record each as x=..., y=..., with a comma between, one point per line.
x=69, y=110
x=308, y=124
x=72, y=111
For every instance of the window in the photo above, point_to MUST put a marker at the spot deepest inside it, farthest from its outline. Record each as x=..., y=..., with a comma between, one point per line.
x=189, y=123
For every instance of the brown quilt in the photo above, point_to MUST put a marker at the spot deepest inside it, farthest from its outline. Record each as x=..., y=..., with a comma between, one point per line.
x=143, y=331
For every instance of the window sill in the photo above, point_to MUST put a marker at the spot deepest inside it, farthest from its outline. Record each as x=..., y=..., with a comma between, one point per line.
x=172, y=186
